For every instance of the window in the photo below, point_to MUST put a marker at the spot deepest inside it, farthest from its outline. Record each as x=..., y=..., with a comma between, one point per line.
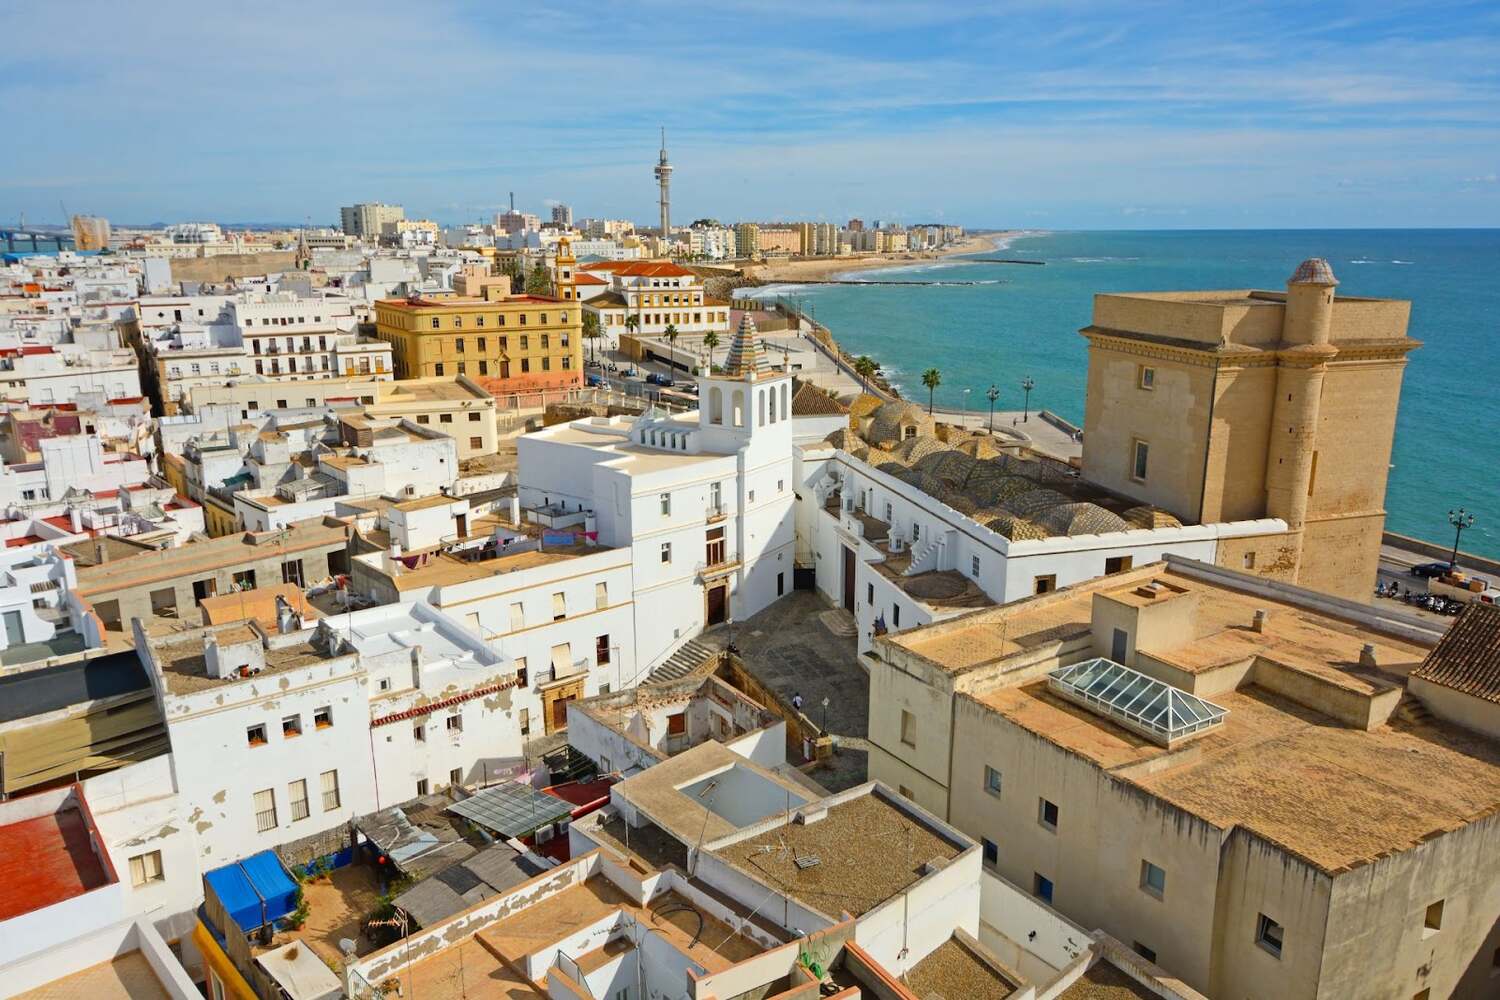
x=1044, y=584
x=1047, y=814
x=991, y=852
x=916, y=532
x=974, y=566
x=1268, y=934
x=1153, y=879
x=525, y=721
x=265, y=810
x=445, y=418
x=215, y=986
x=454, y=723
x=256, y=735
x=437, y=369
x=482, y=341
x=456, y=776
x=991, y=780
x=666, y=504
x=1118, y=564
x=1149, y=954
x=434, y=322
x=546, y=340
x=476, y=442
x=474, y=416
x=458, y=345
x=601, y=596
x=422, y=787
x=1140, y=452
x=601, y=650
x=906, y=793
x=869, y=593
x=1249, y=560
x=666, y=552
x=145, y=869
x=559, y=606
x=297, y=792
x=1432, y=921
x=384, y=684
x=1146, y=377
x=330, y=782
x=1041, y=887
x=419, y=733
x=517, y=616
x=323, y=718
x=291, y=726
x=908, y=728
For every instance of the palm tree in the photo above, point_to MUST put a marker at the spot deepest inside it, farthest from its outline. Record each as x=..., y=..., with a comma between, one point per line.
x=931, y=378
x=591, y=330
x=670, y=333
x=710, y=341
x=865, y=367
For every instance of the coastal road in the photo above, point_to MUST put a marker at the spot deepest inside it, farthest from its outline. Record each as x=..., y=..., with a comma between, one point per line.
x=1034, y=431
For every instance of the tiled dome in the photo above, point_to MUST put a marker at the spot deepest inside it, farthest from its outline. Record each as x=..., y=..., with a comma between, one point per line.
x=1313, y=271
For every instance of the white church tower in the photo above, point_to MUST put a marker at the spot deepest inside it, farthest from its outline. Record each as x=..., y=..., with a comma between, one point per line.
x=747, y=403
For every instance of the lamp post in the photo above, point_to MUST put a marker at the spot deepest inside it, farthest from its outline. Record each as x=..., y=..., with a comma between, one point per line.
x=992, y=394
x=966, y=406
x=825, y=716
x=1460, y=519
x=730, y=648
x=1026, y=386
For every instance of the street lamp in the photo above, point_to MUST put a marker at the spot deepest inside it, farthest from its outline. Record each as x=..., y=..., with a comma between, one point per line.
x=1460, y=519
x=992, y=394
x=1026, y=386
x=730, y=647
x=966, y=406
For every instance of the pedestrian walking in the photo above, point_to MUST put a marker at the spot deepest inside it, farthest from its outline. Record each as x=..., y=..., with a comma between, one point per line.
x=797, y=700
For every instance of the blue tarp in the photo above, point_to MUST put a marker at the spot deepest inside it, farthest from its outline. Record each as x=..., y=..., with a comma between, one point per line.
x=255, y=890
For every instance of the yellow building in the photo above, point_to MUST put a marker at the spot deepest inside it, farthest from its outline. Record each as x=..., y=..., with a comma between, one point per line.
x=508, y=343
x=1233, y=405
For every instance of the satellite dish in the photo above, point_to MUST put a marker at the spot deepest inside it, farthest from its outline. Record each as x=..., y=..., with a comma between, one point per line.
x=347, y=946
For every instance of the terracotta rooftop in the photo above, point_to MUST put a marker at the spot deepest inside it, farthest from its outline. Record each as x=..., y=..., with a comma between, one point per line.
x=46, y=860
x=810, y=401
x=1467, y=659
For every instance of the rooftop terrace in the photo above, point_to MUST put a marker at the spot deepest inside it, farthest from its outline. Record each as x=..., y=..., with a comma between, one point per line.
x=867, y=848
x=46, y=860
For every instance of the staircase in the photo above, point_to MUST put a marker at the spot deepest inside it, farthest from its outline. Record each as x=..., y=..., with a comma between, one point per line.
x=1411, y=711
x=688, y=658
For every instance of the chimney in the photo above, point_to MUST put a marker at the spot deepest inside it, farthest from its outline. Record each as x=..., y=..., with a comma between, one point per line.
x=287, y=620
x=416, y=656
x=75, y=517
x=1258, y=624
x=515, y=511
x=101, y=553
x=1367, y=655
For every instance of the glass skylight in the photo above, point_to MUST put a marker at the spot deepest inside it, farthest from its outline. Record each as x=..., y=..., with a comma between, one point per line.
x=1156, y=710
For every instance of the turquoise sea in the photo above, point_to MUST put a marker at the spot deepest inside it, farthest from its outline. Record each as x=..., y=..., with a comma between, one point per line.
x=1022, y=321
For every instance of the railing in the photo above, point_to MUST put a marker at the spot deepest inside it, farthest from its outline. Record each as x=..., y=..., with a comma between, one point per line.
x=265, y=820
x=300, y=810
x=716, y=512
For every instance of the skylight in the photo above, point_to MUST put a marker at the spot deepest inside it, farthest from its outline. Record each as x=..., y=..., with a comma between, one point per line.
x=1152, y=708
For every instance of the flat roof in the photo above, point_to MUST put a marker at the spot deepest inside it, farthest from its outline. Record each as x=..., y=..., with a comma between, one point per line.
x=867, y=849
x=1334, y=796
x=444, y=569
x=954, y=969
x=46, y=860
x=429, y=390
x=185, y=670
x=197, y=558
x=128, y=977
x=657, y=791
x=1300, y=637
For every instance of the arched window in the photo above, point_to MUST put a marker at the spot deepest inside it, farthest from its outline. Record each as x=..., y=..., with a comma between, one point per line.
x=738, y=402
x=772, y=394
x=715, y=405
x=786, y=406
x=760, y=408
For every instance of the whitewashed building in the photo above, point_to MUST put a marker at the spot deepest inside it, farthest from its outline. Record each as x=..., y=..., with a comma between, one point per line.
x=703, y=500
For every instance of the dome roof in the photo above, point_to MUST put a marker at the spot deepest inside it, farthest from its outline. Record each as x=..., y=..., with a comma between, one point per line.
x=1313, y=271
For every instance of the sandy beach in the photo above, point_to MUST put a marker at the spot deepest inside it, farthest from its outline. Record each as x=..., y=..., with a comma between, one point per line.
x=827, y=268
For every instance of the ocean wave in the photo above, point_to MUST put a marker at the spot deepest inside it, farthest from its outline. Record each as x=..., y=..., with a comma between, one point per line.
x=1402, y=262
x=1102, y=260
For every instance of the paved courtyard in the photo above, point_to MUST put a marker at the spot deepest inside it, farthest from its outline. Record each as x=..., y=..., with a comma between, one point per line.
x=803, y=644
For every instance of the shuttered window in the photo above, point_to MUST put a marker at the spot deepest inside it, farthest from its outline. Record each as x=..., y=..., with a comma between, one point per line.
x=330, y=780
x=265, y=810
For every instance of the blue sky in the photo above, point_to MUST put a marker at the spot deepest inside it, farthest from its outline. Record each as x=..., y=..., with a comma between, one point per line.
x=1044, y=115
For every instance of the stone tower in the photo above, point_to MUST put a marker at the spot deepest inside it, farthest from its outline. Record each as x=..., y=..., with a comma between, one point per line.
x=664, y=180
x=1242, y=405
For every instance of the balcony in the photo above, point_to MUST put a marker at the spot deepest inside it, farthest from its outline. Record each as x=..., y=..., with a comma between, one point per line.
x=717, y=566
x=716, y=512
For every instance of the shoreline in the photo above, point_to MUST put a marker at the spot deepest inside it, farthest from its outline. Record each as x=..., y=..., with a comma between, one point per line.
x=827, y=269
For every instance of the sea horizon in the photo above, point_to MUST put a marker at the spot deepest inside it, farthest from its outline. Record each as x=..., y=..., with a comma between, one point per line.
x=1013, y=321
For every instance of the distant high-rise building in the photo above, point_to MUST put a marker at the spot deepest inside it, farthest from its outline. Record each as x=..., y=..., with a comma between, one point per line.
x=367, y=218
x=664, y=178
x=856, y=225
x=562, y=215
x=515, y=222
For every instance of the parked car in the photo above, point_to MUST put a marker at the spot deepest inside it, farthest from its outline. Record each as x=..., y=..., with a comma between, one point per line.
x=657, y=378
x=1428, y=571
x=594, y=379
